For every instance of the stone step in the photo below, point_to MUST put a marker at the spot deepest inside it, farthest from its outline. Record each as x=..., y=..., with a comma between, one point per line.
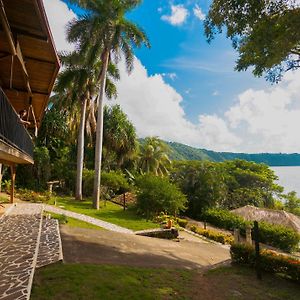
x=19, y=239
x=50, y=249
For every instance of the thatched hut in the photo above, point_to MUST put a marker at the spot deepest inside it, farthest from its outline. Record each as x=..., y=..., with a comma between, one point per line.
x=278, y=217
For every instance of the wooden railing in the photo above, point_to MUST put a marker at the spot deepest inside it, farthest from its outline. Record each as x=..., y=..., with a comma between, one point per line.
x=11, y=130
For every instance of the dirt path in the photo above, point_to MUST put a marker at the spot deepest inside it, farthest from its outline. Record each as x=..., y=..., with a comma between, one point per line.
x=93, y=246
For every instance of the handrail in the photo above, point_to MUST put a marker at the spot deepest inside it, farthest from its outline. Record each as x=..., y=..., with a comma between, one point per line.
x=11, y=129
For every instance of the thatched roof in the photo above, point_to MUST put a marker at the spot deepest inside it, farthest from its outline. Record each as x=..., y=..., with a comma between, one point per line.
x=278, y=217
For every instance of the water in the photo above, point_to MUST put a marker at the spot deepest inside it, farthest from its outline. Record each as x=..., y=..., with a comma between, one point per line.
x=289, y=178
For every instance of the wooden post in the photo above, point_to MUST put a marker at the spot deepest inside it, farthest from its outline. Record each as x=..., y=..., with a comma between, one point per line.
x=257, y=252
x=124, y=201
x=12, y=186
x=236, y=234
x=0, y=176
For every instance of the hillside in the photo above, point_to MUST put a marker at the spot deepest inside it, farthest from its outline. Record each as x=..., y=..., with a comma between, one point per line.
x=184, y=152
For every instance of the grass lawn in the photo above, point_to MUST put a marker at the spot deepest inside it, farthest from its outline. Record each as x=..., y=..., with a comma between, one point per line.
x=73, y=222
x=112, y=213
x=74, y=281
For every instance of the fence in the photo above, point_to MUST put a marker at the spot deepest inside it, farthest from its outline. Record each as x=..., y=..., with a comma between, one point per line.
x=11, y=129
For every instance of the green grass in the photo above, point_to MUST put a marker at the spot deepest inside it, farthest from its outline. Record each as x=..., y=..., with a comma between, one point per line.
x=112, y=213
x=74, y=281
x=73, y=222
x=108, y=282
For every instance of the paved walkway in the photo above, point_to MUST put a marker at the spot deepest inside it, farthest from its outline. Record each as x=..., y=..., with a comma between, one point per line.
x=85, y=218
x=22, y=229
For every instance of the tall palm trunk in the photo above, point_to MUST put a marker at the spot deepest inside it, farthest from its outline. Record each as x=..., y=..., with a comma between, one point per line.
x=80, y=150
x=0, y=176
x=99, y=130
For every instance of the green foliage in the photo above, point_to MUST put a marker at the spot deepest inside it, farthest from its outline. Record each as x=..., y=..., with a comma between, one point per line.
x=119, y=138
x=269, y=261
x=182, y=222
x=183, y=152
x=224, y=219
x=277, y=236
x=292, y=203
x=229, y=184
x=42, y=165
x=201, y=182
x=111, y=183
x=214, y=235
x=31, y=196
x=265, y=33
x=157, y=194
x=153, y=157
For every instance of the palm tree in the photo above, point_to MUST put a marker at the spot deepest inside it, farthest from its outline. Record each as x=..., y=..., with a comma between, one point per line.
x=119, y=135
x=104, y=31
x=154, y=157
x=78, y=83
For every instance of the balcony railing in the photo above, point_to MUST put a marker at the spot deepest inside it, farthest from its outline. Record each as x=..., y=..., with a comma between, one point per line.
x=11, y=129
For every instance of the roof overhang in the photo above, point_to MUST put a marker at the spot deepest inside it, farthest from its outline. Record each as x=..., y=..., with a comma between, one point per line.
x=29, y=62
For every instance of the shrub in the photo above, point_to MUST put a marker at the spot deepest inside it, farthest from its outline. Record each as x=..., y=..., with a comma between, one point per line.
x=270, y=261
x=113, y=181
x=277, y=236
x=156, y=194
x=182, y=222
x=213, y=235
x=32, y=196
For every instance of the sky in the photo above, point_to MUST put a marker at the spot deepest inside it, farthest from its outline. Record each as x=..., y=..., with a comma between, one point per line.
x=186, y=90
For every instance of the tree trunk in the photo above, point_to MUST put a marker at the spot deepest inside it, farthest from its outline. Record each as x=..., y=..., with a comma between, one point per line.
x=99, y=131
x=0, y=176
x=80, y=150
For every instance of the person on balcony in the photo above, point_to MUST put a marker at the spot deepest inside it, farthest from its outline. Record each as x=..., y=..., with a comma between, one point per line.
x=22, y=116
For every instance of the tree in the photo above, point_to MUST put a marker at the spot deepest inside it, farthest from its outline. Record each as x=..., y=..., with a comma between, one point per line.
x=104, y=31
x=265, y=33
x=249, y=183
x=78, y=82
x=292, y=203
x=157, y=194
x=119, y=135
x=202, y=182
x=153, y=157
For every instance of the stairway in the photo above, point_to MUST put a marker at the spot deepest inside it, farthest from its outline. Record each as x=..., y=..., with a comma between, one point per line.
x=27, y=241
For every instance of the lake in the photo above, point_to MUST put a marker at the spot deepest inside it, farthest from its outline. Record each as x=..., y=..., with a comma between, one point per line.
x=289, y=178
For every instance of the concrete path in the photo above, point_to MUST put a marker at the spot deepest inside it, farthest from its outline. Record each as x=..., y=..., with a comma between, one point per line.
x=103, y=247
x=22, y=228
x=85, y=218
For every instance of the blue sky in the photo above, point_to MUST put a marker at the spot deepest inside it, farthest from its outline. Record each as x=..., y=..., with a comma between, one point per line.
x=186, y=90
x=205, y=75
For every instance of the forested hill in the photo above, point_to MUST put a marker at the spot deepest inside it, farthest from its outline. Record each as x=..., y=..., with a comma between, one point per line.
x=184, y=152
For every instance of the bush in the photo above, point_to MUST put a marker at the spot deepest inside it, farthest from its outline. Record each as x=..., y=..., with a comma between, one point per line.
x=156, y=194
x=270, y=261
x=213, y=235
x=32, y=196
x=277, y=236
x=182, y=222
x=113, y=181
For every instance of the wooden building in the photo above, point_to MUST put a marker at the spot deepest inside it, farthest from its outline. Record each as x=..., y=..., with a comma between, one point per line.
x=28, y=68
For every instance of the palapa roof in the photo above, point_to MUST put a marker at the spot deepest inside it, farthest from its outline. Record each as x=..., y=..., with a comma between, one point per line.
x=278, y=217
x=27, y=74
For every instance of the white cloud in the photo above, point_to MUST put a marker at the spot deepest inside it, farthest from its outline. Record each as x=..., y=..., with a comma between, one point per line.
x=216, y=93
x=260, y=121
x=268, y=119
x=198, y=13
x=178, y=15
x=156, y=109
x=172, y=76
x=59, y=15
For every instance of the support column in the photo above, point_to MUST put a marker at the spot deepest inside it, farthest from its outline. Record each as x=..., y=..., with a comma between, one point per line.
x=13, y=178
x=0, y=176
